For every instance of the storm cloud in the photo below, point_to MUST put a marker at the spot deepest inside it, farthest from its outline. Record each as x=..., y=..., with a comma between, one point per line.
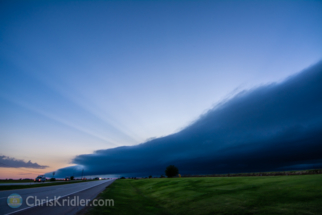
x=269, y=128
x=9, y=162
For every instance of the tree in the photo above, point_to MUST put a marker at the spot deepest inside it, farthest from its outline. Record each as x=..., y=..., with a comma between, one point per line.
x=72, y=178
x=150, y=176
x=171, y=171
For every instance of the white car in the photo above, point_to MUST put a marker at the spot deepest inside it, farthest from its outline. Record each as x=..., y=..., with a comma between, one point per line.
x=40, y=178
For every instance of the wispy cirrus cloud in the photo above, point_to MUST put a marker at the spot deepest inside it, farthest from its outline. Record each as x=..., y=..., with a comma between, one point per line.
x=9, y=162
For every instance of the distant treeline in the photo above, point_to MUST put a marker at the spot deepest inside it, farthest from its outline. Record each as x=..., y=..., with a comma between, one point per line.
x=10, y=179
x=281, y=173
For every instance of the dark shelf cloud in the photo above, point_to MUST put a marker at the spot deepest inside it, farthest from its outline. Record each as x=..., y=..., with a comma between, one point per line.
x=273, y=127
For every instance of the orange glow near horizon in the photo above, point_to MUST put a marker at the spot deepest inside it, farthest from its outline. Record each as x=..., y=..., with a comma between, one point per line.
x=17, y=173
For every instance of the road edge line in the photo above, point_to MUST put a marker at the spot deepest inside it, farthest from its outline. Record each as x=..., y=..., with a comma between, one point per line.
x=51, y=200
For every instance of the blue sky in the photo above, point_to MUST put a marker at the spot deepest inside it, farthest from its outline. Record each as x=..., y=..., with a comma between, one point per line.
x=76, y=77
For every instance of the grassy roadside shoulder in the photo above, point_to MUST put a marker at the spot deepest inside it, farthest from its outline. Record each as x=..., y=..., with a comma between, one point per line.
x=127, y=200
x=14, y=187
x=226, y=195
x=15, y=181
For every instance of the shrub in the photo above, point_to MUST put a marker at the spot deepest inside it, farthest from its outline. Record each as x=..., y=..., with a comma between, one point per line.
x=171, y=171
x=53, y=179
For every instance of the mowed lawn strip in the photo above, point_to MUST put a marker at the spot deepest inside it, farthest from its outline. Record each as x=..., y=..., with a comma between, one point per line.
x=128, y=199
x=37, y=184
x=16, y=181
x=219, y=195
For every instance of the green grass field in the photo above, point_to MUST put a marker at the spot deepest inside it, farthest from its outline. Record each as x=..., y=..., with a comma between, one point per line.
x=13, y=187
x=219, y=195
x=16, y=181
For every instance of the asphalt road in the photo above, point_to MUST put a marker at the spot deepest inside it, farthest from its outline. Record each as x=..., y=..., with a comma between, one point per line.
x=84, y=190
